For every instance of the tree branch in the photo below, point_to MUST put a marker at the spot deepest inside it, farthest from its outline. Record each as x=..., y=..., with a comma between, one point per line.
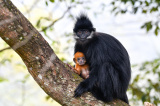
x=52, y=75
x=5, y=49
x=45, y=28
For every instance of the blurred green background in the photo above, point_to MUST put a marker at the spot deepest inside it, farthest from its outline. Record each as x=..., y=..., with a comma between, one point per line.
x=135, y=23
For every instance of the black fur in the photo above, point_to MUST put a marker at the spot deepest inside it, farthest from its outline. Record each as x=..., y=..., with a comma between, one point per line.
x=109, y=64
x=83, y=22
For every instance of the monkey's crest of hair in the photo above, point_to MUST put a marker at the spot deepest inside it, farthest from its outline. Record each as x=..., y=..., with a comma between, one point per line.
x=78, y=54
x=83, y=22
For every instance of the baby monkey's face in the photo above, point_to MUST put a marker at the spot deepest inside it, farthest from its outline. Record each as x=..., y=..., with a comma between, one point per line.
x=81, y=60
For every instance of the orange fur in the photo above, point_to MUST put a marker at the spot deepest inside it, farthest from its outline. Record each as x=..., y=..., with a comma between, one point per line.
x=82, y=70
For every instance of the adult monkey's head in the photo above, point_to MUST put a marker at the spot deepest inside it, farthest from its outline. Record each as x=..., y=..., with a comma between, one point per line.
x=83, y=29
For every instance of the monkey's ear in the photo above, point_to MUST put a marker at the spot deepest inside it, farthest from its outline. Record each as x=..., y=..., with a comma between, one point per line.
x=74, y=60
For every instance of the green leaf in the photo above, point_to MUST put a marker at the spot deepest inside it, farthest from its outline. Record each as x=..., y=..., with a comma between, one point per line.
x=52, y=1
x=138, y=92
x=3, y=61
x=116, y=13
x=155, y=68
x=156, y=86
x=46, y=3
x=143, y=98
x=3, y=79
x=123, y=11
x=26, y=76
x=143, y=26
x=149, y=26
x=124, y=1
x=146, y=2
x=157, y=1
x=136, y=79
x=114, y=9
x=48, y=97
x=144, y=11
x=135, y=10
x=133, y=2
x=154, y=9
x=113, y=3
x=38, y=23
x=156, y=30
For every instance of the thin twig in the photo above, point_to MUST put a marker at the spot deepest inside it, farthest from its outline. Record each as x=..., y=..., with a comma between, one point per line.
x=5, y=49
x=45, y=28
x=34, y=4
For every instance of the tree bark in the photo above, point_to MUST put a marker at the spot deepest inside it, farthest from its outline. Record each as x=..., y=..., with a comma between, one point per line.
x=52, y=75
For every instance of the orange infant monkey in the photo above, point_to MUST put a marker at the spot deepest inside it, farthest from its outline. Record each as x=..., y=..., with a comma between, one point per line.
x=81, y=67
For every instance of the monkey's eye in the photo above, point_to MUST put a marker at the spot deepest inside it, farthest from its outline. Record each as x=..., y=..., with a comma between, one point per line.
x=78, y=59
x=86, y=31
x=79, y=32
x=83, y=58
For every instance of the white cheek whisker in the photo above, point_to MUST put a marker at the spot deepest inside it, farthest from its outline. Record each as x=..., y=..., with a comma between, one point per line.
x=91, y=35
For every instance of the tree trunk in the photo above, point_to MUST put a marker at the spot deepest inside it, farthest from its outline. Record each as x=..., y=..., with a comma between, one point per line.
x=52, y=75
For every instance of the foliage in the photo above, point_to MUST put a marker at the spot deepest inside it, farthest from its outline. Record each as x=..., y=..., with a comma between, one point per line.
x=3, y=79
x=140, y=6
x=146, y=86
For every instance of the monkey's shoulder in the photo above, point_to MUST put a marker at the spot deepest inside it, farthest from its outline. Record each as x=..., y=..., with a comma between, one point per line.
x=106, y=39
x=103, y=36
x=79, y=68
x=85, y=66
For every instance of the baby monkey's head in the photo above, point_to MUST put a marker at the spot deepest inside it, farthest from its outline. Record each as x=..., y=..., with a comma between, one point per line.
x=79, y=58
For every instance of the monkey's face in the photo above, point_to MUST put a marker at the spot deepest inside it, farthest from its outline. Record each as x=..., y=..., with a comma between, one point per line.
x=83, y=34
x=81, y=60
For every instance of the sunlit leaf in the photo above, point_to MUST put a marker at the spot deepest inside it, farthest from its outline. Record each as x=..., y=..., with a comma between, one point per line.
x=3, y=79
x=140, y=2
x=135, y=10
x=149, y=26
x=123, y=11
x=155, y=68
x=3, y=61
x=117, y=13
x=46, y=3
x=154, y=9
x=114, y=9
x=136, y=79
x=38, y=23
x=113, y=3
x=144, y=11
x=156, y=30
x=133, y=2
x=52, y=1
x=146, y=2
x=26, y=76
x=48, y=97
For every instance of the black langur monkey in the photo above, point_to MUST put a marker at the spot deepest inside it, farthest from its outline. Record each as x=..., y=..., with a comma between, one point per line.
x=109, y=62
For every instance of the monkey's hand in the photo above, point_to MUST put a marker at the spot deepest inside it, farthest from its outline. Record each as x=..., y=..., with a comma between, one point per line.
x=80, y=89
x=72, y=68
